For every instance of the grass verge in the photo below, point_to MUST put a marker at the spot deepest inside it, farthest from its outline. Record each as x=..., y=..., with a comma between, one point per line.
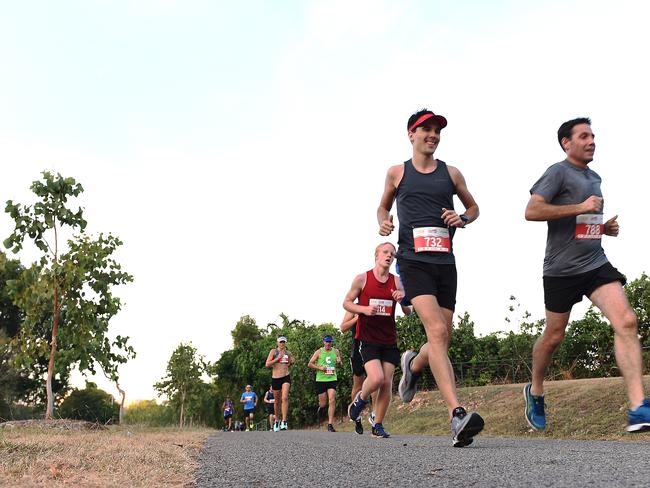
x=575, y=409
x=119, y=457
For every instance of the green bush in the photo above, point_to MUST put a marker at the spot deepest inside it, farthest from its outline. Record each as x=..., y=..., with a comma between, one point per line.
x=90, y=404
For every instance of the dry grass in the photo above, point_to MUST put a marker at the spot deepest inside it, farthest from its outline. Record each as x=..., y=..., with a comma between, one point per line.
x=575, y=409
x=116, y=457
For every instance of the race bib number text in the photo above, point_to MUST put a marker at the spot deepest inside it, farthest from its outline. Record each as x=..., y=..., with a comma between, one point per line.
x=589, y=226
x=431, y=239
x=384, y=307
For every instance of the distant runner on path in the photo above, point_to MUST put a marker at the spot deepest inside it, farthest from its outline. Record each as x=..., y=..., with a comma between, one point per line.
x=249, y=399
x=228, y=411
x=324, y=361
x=569, y=199
x=423, y=188
x=279, y=359
x=269, y=402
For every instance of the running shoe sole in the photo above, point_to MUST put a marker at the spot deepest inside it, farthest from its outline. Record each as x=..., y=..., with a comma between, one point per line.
x=470, y=426
x=405, y=393
x=634, y=428
x=526, y=390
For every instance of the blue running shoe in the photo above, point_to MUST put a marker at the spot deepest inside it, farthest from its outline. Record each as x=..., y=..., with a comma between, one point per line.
x=534, y=412
x=639, y=418
x=379, y=432
x=356, y=407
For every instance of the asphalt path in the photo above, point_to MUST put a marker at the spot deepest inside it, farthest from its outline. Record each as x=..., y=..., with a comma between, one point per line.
x=322, y=459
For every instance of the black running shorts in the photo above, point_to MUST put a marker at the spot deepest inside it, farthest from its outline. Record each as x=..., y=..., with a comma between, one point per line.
x=323, y=386
x=562, y=292
x=356, y=363
x=439, y=280
x=386, y=353
x=276, y=383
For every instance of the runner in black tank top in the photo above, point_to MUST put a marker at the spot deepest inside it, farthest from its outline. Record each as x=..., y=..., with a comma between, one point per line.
x=424, y=188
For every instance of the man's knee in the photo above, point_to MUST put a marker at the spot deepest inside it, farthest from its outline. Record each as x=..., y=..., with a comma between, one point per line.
x=437, y=332
x=554, y=336
x=626, y=324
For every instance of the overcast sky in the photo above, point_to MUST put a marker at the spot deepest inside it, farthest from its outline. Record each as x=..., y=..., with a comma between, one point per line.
x=239, y=149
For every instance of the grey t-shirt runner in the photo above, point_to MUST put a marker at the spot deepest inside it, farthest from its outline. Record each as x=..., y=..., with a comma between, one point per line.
x=570, y=249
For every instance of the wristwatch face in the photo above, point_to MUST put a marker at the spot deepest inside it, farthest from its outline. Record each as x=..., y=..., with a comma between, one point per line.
x=464, y=218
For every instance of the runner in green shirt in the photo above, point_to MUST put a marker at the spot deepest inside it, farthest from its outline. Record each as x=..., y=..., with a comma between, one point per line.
x=325, y=360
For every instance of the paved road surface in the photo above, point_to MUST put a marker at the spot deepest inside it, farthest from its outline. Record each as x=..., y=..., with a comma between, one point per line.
x=321, y=459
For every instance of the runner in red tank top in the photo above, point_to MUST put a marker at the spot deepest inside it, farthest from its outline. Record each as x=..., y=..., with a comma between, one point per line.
x=377, y=293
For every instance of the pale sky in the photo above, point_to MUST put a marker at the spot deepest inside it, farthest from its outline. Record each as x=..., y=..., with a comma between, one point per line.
x=239, y=149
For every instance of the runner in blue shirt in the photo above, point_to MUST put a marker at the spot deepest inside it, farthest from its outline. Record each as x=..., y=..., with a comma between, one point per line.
x=249, y=399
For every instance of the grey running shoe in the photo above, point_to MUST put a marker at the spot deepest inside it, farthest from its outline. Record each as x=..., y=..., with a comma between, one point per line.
x=407, y=384
x=464, y=426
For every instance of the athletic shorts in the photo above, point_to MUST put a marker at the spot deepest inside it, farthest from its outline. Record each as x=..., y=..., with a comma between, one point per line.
x=562, y=292
x=356, y=363
x=386, y=353
x=439, y=280
x=276, y=383
x=227, y=415
x=323, y=386
x=248, y=412
x=270, y=408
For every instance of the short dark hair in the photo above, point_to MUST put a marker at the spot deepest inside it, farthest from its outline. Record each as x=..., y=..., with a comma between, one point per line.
x=566, y=128
x=416, y=116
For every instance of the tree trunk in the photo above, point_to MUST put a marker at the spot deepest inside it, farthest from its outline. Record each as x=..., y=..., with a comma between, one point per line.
x=49, y=412
x=123, y=395
x=182, y=409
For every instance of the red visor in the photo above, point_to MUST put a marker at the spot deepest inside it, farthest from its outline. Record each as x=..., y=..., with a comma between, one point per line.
x=442, y=122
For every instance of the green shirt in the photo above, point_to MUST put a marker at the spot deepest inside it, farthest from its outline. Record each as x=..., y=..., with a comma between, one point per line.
x=326, y=359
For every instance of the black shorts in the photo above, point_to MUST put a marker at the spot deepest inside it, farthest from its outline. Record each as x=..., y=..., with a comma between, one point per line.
x=386, y=353
x=562, y=292
x=323, y=386
x=270, y=408
x=227, y=415
x=439, y=280
x=248, y=412
x=356, y=363
x=276, y=383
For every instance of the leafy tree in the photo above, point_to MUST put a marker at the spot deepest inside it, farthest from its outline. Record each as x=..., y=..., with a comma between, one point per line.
x=245, y=330
x=183, y=385
x=72, y=288
x=90, y=404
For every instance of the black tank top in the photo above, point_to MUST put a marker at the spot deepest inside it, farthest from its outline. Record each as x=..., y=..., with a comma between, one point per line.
x=420, y=199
